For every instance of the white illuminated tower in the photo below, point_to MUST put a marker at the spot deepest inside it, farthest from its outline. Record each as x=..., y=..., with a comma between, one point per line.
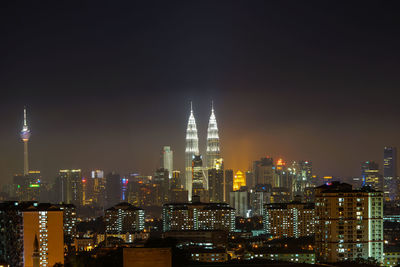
x=167, y=160
x=25, y=134
x=192, y=148
x=212, y=141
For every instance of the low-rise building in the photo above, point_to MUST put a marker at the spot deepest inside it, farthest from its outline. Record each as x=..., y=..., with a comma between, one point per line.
x=209, y=255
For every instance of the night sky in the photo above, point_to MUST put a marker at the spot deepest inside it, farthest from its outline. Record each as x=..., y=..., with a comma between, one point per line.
x=108, y=84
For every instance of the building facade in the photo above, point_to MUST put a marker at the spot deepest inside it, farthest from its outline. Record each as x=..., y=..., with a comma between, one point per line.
x=124, y=218
x=192, y=149
x=293, y=219
x=198, y=216
x=348, y=223
x=390, y=179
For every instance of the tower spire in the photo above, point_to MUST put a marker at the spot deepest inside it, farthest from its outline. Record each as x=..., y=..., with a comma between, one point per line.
x=25, y=135
x=212, y=140
x=192, y=149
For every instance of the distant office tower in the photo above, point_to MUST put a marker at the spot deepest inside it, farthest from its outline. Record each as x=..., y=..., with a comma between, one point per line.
x=213, y=151
x=167, y=160
x=238, y=181
x=293, y=219
x=228, y=184
x=113, y=188
x=390, y=179
x=192, y=149
x=199, y=181
x=302, y=176
x=161, y=178
x=99, y=188
x=175, y=182
x=250, y=183
x=69, y=187
x=198, y=216
x=216, y=181
x=25, y=135
x=370, y=175
x=25, y=222
x=263, y=171
x=348, y=223
x=240, y=201
x=124, y=218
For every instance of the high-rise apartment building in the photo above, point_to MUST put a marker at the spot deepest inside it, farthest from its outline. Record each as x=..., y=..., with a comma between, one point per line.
x=167, y=160
x=348, y=223
x=198, y=216
x=69, y=221
x=192, y=149
x=370, y=175
x=124, y=218
x=390, y=179
x=213, y=150
x=293, y=219
x=24, y=222
x=216, y=181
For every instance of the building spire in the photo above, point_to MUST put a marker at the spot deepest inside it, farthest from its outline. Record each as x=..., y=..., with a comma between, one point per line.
x=192, y=149
x=213, y=151
x=25, y=124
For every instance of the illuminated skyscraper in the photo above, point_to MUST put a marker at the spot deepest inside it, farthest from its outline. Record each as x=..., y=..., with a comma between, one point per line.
x=25, y=135
x=390, y=180
x=216, y=181
x=192, y=148
x=167, y=160
x=370, y=175
x=212, y=141
x=238, y=181
x=199, y=179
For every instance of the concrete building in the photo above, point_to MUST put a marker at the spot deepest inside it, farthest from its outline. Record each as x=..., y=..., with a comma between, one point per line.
x=293, y=219
x=124, y=218
x=390, y=179
x=167, y=160
x=198, y=216
x=216, y=181
x=25, y=222
x=240, y=201
x=348, y=223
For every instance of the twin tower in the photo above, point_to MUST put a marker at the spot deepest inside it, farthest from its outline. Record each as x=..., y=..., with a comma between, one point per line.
x=192, y=149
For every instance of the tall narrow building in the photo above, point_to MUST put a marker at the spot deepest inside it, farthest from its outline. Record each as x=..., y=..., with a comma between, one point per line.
x=212, y=141
x=167, y=160
x=192, y=149
x=390, y=180
x=25, y=134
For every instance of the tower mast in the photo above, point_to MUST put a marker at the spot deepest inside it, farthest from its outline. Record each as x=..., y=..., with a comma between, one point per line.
x=25, y=135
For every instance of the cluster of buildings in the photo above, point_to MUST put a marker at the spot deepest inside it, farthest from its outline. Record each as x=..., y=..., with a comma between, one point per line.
x=202, y=208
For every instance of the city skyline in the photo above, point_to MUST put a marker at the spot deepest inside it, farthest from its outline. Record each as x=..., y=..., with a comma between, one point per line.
x=294, y=89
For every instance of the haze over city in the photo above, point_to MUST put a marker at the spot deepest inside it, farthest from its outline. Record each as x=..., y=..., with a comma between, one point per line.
x=106, y=86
